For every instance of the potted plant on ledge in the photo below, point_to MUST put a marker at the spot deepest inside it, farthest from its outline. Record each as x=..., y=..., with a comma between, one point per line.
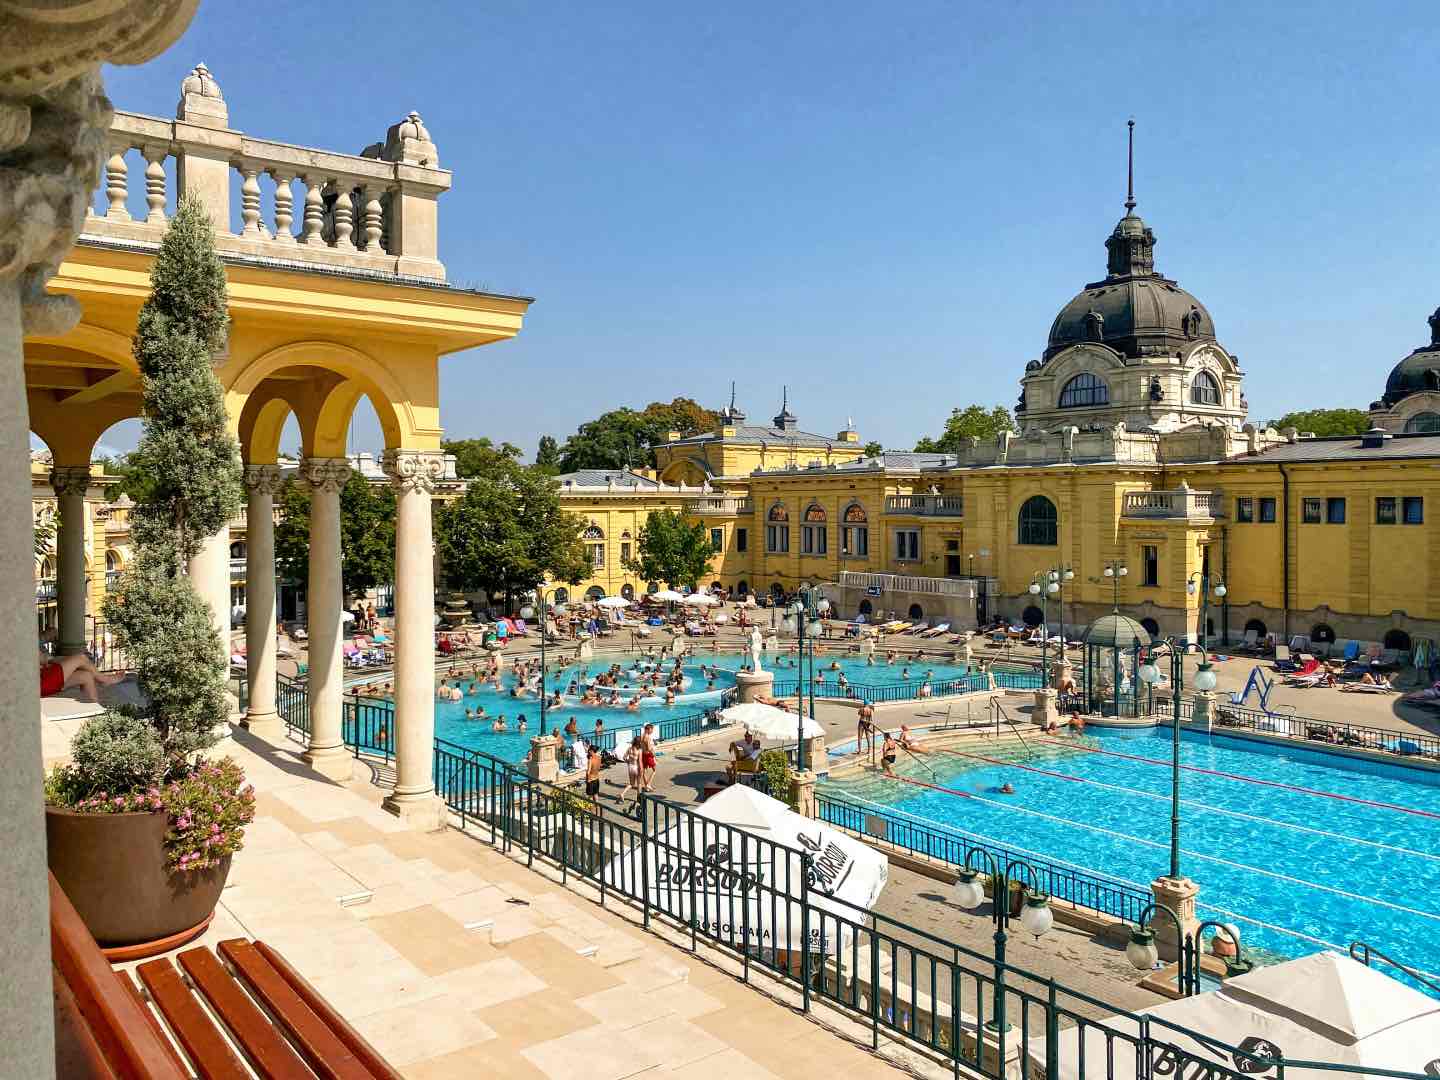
x=140, y=827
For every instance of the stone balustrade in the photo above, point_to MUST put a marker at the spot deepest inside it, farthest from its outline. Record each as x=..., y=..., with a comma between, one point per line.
x=926, y=505
x=1183, y=502
x=374, y=211
x=889, y=583
x=718, y=506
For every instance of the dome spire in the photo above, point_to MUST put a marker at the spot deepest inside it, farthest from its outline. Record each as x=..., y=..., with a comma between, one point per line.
x=1130, y=170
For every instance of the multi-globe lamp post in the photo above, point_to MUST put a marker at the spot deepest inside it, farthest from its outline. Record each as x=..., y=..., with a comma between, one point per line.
x=805, y=616
x=542, y=607
x=1036, y=917
x=1046, y=584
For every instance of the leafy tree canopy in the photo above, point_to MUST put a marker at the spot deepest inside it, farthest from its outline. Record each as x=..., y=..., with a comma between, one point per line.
x=629, y=436
x=367, y=534
x=873, y=449
x=134, y=480
x=547, y=455
x=1325, y=421
x=481, y=457
x=973, y=421
x=670, y=550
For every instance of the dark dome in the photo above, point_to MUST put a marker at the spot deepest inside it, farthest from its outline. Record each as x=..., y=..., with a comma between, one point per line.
x=1418, y=371
x=1135, y=310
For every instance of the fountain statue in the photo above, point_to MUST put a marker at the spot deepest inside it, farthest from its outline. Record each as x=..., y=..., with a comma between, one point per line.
x=756, y=644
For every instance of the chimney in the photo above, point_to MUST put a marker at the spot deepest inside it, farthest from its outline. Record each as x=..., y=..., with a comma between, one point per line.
x=1374, y=439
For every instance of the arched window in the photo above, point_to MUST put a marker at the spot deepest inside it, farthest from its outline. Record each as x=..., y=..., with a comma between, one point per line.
x=112, y=561
x=1259, y=627
x=593, y=532
x=1151, y=627
x=866, y=608
x=715, y=586
x=1032, y=616
x=562, y=595
x=916, y=612
x=854, y=532
x=237, y=550
x=814, y=536
x=777, y=530
x=1423, y=422
x=1038, y=521
x=1397, y=639
x=627, y=591
x=1204, y=390
x=595, y=592
x=1084, y=389
x=594, y=538
x=47, y=568
x=777, y=590
x=743, y=588
x=1322, y=632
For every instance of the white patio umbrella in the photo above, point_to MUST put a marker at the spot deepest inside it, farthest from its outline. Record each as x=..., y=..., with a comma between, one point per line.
x=736, y=878
x=1324, y=1008
x=700, y=599
x=612, y=602
x=769, y=722
x=669, y=596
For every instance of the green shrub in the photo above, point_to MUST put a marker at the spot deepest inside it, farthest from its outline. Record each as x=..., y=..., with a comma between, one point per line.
x=113, y=753
x=776, y=767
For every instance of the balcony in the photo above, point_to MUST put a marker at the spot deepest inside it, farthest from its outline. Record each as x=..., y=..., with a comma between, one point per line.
x=887, y=583
x=926, y=505
x=718, y=507
x=1183, y=502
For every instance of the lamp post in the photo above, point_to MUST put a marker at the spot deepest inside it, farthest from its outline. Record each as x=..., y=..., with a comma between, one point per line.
x=1035, y=916
x=1045, y=584
x=1143, y=955
x=1116, y=569
x=542, y=607
x=806, y=614
x=1203, y=578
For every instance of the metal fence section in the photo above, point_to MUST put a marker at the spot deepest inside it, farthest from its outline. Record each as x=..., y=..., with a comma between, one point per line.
x=1323, y=733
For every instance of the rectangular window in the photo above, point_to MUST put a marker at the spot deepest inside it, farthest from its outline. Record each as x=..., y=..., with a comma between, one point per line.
x=813, y=540
x=907, y=545
x=742, y=539
x=855, y=540
x=1335, y=511
x=625, y=551
x=1150, y=564
x=1414, y=510
x=1244, y=509
x=1385, y=511
x=1312, y=511
x=1267, y=510
x=777, y=539
x=717, y=539
x=597, y=556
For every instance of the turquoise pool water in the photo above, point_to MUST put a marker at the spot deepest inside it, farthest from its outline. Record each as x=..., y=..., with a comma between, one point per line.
x=1299, y=847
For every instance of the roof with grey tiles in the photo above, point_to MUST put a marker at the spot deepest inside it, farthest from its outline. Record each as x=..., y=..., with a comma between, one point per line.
x=752, y=434
x=1348, y=448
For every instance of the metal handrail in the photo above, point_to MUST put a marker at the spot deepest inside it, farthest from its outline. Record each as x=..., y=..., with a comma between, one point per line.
x=1363, y=951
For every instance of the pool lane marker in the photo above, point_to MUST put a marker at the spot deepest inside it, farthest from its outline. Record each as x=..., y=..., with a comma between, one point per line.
x=1252, y=780
x=1202, y=806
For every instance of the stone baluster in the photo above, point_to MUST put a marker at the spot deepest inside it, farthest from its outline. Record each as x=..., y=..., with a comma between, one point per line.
x=250, y=202
x=343, y=213
x=155, y=183
x=284, y=206
x=314, y=221
x=373, y=218
x=117, y=185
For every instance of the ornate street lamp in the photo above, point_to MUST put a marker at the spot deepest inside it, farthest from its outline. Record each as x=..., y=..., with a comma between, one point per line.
x=1144, y=956
x=1046, y=584
x=1203, y=577
x=805, y=614
x=528, y=612
x=1035, y=915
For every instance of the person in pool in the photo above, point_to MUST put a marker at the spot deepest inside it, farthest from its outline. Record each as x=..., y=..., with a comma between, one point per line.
x=572, y=729
x=521, y=725
x=887, y=755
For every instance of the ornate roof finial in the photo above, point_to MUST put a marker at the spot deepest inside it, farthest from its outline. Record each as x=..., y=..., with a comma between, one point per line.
x=1130, y=170
x=785, y=399
x=732, y=395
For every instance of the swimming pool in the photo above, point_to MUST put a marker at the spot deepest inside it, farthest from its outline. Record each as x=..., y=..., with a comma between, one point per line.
x=1301, y=848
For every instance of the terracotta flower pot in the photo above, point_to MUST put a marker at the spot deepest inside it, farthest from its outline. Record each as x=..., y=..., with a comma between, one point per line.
x=113, y=869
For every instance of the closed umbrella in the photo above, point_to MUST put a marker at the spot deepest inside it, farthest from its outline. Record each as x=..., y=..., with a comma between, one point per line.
x=769, y=722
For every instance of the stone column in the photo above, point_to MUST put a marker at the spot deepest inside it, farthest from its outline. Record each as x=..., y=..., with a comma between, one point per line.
x=751, y=686
x=414, y=473
x=326, y=754
x=804, y=782
x=543, y=763
x=1177, y=894
x=1204, y=709
x=263, y=483
x=210, y=574
x=70, y=483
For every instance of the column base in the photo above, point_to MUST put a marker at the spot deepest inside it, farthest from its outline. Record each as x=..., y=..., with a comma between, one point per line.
x=751, y=686
x=332, y=762
x=266, y=725
x=1044, y=710
x=425, y=812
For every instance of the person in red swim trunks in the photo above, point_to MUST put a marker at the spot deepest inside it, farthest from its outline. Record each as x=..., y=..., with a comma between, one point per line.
x=647, y=758
x=59, y=673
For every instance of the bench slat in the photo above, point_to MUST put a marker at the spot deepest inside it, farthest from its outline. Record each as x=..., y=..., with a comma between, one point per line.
x=197, y=1033
x=316, y=1035
x=270, y=1055
x=132, y=988
x=77, y=1051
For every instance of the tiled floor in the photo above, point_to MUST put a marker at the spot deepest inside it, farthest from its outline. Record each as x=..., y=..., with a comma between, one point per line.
x=543, y=984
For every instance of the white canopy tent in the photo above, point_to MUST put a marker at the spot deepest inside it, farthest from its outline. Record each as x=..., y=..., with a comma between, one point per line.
x=740, y=883
x=1323, y=1008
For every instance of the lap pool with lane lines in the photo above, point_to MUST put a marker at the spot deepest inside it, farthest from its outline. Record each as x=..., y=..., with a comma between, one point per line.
x=1300, y=847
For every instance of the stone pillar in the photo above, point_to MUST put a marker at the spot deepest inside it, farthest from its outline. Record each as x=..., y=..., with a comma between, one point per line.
x=414, y=473
x=1044, y=710
x=1204, y=709
x=817, y=758
x=1177, y=894
x=543, y=763
x=805, y=793
x=326, y=754
x=70, y=483
x=54, y=118
x=753, y=685
x=263, y=483
x=210, y=574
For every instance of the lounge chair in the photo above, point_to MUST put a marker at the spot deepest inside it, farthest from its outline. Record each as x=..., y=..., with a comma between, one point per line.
x=1367, y=688
x=918, y=629
x=1313, y=678
x=936, y=630
x=1283, y=660
x=1251, y=642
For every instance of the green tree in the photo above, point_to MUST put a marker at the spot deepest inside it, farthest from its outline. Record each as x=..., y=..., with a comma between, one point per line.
x=973, y=421
x=547, y=455
x=670, y=550
x=628, y=436
x=508, y=534
x=134, y=480
x=481, y=457
x=1325, y=421
x=193, y=467
x=873, y=449
x=367, y=534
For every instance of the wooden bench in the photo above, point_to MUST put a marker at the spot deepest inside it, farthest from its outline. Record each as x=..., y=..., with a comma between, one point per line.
x=245, y=1012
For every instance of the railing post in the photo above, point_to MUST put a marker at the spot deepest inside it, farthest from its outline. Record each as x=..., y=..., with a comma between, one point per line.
x=644, y=860
x=1052, y=1033
x=805, y=932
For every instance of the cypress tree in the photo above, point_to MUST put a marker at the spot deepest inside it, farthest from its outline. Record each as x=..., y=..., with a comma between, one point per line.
x=193, y=465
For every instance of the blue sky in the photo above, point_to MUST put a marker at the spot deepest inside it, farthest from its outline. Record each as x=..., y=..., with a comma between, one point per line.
x=882, y=205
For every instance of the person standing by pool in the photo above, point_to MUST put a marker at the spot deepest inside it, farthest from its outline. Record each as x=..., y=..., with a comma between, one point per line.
x=647, y=760
x=592, y=773
x=634, y=768
x=865, y=728
x=887, y=755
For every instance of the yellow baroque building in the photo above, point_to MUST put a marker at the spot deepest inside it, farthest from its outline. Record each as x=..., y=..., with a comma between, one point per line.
x=1132, y=450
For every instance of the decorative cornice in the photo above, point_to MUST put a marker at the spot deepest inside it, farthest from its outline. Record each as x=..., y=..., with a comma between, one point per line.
x=325, y=474
x=263, y=479
x=51, y=41
x=70, y=479
x=414, y=470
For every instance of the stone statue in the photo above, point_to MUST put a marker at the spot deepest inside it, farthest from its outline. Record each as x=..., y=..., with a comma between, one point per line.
x=756, y=645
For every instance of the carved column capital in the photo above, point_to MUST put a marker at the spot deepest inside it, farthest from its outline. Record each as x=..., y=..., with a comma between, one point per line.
x=70, y=479
x=263, y=479
x=325, y=474
x=414, y=470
